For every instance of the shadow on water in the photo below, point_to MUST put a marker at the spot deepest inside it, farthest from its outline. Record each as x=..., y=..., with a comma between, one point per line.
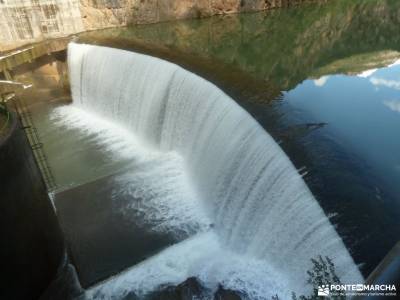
x=287, y=56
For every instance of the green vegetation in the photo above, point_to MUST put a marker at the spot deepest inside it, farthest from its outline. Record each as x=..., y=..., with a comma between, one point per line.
x=321, y=274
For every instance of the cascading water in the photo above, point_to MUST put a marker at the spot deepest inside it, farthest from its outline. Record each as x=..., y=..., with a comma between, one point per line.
x=264, y=215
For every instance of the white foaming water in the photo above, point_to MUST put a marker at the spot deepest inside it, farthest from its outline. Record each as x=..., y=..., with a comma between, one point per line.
x=263, y=213
x=200, y=256
x=161, y=195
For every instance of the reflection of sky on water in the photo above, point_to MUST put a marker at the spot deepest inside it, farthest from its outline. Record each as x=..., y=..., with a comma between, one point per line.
x=362, y=111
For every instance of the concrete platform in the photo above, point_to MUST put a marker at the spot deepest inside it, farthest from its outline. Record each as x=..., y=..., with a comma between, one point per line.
x=102, y=240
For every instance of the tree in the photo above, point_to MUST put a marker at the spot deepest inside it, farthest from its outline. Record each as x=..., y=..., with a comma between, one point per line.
x=321, y=274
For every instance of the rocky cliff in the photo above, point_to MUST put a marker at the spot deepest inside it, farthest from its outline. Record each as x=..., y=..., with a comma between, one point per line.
x=27, y=21
x=100, y=13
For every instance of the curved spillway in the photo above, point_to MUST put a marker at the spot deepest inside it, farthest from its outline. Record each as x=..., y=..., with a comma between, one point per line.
x=260, y=206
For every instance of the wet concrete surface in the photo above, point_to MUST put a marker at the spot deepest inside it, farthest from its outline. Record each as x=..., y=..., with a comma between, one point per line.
x=101, y=238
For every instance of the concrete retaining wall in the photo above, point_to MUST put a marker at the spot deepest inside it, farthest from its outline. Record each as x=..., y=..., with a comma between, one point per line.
x=32, y=245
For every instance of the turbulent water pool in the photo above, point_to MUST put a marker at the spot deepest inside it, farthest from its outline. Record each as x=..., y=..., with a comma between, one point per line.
x=322, y=80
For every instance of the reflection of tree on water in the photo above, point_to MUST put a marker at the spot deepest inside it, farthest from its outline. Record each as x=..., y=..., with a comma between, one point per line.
x=283, y=46
x=233, y=80
x=253, y=57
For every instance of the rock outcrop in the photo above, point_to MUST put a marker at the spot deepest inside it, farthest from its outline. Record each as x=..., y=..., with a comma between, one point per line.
x=190, y=289
x=105, y=13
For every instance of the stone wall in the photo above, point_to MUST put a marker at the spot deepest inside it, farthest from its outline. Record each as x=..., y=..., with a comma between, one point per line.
x=27, y=21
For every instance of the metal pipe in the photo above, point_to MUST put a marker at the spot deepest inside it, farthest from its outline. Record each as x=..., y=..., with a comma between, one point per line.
x=386, y=273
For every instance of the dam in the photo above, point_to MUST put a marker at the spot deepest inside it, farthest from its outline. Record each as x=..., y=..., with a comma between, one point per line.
x=230, y=157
